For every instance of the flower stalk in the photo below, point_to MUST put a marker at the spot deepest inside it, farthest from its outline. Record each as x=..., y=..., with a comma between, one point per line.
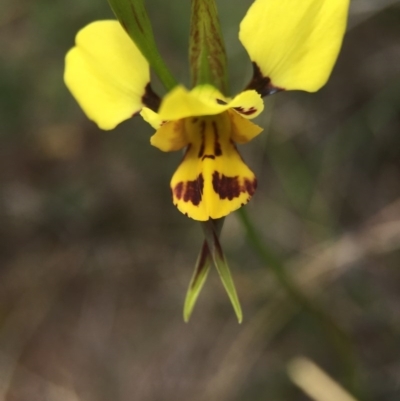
x=207, y=56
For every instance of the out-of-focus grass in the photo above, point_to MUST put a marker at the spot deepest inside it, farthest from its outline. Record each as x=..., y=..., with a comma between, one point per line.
x=95, y=260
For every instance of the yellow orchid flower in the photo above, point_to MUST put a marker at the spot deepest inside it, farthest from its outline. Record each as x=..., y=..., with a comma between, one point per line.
x=292, y=45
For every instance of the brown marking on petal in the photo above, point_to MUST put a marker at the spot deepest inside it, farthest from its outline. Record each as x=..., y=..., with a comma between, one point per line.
x=250, y=186
x=208, y=157
x=217, y=145
x=246, y=112
x=202, y=133
x=178, y=190
x=230, y=188
x=226, y=187
x=220, y=101
x=194, y=120
x=190, y=191
x=150, y=99
x=262, y=84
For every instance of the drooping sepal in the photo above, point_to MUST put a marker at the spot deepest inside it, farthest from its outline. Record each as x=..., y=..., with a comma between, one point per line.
x=207, y=54
x=197, y=281
x=293, y=44
x=218, y=257
x=133, y=17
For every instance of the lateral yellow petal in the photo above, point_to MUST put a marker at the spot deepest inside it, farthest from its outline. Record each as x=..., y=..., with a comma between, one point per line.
x=201, y=101
x=212, y=180
x=295, y=43
x=243, y=130
x=248, y=103
x=106, y=73
x=151, y=117
x=170, y=136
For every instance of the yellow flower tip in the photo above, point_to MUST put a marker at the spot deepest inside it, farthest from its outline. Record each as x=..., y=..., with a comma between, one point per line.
x=295, y=46
x=213, y=180
x=107, y=74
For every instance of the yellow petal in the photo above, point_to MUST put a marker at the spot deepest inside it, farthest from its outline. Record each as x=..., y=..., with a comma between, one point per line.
x=170, y=136
x=295, y=43
x=212, y=180
x=248, y=103
x=243, y=130
x=200, y=101
x=151, y=117
x=106, y=73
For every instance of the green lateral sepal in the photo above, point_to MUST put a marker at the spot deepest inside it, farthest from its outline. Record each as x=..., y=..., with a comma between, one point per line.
x=209, y=228
x=196, y=284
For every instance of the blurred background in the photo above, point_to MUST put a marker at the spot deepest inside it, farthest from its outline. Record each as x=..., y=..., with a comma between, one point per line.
x=95, y=260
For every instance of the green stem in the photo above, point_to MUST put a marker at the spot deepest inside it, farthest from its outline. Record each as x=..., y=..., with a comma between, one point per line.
x=207, y=56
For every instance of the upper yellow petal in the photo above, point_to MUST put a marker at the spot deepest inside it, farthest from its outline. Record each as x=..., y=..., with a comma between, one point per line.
x=151, y=117
x=295, y=43
x=200, y=101
x=106, y=73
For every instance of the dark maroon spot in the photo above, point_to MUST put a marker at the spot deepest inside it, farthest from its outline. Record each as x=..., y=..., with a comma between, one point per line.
x=220, y=101
x=178, y=190
x=229, y=187
x=226, y=187
x=150, y=98
x=217, y=145
x=190, y=191
x=250, y=186
x=208, y=157
x=194, y=120
x=202, y=133
x=246, y=112
x=262, y=84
